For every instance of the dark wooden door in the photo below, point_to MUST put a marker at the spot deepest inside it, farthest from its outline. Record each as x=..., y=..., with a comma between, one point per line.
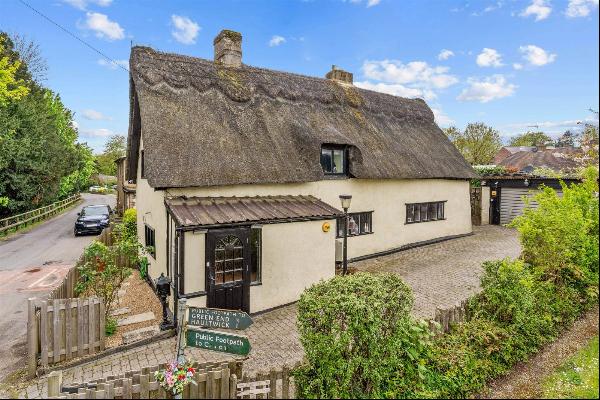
x=227, y=268
x=495, y=205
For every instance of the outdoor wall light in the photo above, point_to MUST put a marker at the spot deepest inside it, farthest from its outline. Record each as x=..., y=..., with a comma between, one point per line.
x=526, y=182
x=163, y=289
x=345, y=199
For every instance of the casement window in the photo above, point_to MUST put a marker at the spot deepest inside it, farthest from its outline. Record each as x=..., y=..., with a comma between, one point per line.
x=256, y=254
x=334, y=160
x=425, y=212
x=149, y=240
x=142, y=166
x=358, y=224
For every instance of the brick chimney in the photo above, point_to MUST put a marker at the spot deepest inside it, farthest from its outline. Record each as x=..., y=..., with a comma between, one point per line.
x=339, y=75
x=228, y=48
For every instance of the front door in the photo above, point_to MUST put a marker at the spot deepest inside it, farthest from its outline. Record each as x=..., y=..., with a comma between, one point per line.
x=495, y=205
x=227, y=268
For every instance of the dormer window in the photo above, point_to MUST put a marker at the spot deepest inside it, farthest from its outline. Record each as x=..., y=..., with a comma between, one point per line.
x=334, y=160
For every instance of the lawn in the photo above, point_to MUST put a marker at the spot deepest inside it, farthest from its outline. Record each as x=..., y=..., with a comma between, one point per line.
x=577, y=378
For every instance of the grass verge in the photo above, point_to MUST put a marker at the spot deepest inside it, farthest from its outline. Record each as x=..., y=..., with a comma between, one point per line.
x=577, y=378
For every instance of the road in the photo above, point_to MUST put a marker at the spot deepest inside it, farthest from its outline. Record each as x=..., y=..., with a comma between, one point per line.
x=31, y=264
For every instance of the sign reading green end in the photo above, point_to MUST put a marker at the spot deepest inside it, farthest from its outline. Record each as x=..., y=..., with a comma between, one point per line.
x=218, y=341
x=219, y=319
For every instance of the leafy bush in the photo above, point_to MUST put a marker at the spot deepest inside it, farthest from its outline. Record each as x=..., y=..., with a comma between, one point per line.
x=359, y=338
x=100, y=274
x=110, y=327
x=560, y=236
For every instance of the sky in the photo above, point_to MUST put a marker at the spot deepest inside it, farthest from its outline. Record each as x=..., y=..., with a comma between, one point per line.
x=511, y=64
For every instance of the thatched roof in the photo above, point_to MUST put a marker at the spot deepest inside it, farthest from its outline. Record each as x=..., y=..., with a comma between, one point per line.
x=203, y=124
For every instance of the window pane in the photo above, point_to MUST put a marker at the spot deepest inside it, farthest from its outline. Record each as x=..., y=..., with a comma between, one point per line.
x=326, y=161
x=433, y=211
x=440, y=210
x=424, y=216
x=410, y=213
x=338, y=161
x=352, y=226
x=417, y=212
x=365, y=222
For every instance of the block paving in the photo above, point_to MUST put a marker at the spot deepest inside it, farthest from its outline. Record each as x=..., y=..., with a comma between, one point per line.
x=440, y=275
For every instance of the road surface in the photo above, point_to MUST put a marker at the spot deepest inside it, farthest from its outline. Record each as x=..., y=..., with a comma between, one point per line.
x=31, y=264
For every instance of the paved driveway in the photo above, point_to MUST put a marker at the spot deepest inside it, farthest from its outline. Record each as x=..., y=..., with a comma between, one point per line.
x=32, y=263
x=440, y=275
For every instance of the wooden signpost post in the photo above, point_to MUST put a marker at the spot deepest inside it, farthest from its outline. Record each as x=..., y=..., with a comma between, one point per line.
x=212, y=318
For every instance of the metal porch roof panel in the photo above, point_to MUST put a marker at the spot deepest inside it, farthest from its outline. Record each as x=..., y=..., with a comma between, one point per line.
x=211, y=211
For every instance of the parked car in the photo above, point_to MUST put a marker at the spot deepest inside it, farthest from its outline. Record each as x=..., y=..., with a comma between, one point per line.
x=92, y=219
x=95, y=189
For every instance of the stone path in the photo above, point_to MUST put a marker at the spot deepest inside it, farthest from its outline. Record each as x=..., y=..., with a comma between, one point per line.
x=440, y=275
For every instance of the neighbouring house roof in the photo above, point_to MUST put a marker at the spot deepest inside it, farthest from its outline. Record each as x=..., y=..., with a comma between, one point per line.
x=554, y=159
x=211, y=211
x=203, y=124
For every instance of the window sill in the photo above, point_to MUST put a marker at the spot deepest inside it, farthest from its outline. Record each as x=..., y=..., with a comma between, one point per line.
x=256, y=283
x=424, y=222
x=335, y=176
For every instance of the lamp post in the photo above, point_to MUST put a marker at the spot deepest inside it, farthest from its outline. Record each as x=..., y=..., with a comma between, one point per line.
x=345, y=199
x=163, y=289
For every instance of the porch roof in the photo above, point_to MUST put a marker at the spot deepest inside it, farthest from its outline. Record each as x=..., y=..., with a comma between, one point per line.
x=213, y=211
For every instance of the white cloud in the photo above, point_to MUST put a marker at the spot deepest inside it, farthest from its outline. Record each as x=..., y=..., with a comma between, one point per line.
x=536, y=55
x=94, y=115
x=83, y=4
x=554, y=127
x=442, y=119
x=276, y=40
x=371, y=3
x=113, y=64
x=540, y=8
x=489, y=58
x=92, y=133
x=186, y=30
x=396, y=89
x=414, y=72
x=580, y=8
x=517, y=66
x=104, y=27
x=445, y=54
x=414, y=79
x=487, y=89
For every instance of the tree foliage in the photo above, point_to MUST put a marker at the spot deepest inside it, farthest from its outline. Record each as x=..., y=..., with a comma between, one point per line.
x=113, y=149
x=530, y=139
x=478, y=143
x=40, y=159
x=12, y=88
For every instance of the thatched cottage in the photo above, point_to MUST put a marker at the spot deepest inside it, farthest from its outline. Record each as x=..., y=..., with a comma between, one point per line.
x=239, y=171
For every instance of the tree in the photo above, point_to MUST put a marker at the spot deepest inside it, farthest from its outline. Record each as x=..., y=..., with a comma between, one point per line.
x=31, y=54
x=589, y=144
x=567, y=139
x=113, y=149
x=530, y=139
x=478, y=143
x=12, y=87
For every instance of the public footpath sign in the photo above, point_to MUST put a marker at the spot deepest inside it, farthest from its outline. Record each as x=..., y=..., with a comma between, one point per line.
x=218, y=341
x=213, y=318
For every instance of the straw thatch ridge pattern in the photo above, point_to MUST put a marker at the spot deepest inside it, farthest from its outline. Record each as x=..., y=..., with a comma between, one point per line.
x=203, y=124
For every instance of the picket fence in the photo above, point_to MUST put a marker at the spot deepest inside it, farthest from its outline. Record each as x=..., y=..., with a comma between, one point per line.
x=17, y=221
x=448, y=317
x=211, y=381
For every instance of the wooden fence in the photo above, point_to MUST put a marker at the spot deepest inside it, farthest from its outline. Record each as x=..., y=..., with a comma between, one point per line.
x=212, y=380
x=20, y=220
x=63, y=329
x=447, y=317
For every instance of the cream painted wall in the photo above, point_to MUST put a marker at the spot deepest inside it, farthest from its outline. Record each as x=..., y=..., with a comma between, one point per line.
x=194, y=262
x=295, y=256
x=151, y=211
x=387, y=198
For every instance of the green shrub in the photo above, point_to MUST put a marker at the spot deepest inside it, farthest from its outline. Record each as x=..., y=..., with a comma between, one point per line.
x=359, y=339
x=560, y=236
x=130, y=224
x=110, y=327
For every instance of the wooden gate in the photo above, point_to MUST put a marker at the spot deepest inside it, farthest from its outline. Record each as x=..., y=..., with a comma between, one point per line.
x=476, y=206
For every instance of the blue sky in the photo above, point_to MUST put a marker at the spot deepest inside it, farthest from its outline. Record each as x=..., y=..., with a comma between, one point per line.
x=510, y=64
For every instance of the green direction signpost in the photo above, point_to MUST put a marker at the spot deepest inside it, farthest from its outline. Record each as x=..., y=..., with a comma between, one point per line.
x=218, y=319
x=218, y=341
